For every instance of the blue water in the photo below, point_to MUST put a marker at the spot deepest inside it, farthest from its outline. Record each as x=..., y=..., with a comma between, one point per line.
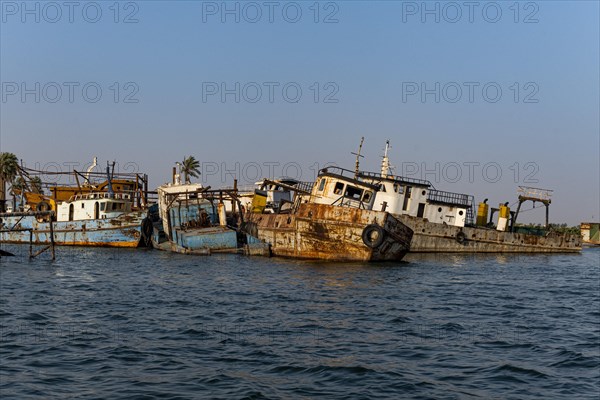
x=109, y=324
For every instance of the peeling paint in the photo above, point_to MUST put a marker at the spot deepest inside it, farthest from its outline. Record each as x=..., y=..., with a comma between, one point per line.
x=122, y=231
x=326, y=232
x=431, y=237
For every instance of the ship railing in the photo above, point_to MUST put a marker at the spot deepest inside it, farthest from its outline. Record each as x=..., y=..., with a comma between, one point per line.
x=249, y=189
x=305, y=186
x=535, y=193
x=455, y=199
x=376, y=176
x=101, y=195
x=458, y=199
x=332, y=169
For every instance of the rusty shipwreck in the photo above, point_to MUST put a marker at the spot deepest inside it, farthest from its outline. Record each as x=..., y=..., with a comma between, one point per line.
x=109, y=213
x=445, y=221
x=332, y=219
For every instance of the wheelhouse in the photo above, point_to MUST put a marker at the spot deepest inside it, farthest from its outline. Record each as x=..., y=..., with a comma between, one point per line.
x=337, y=186
x=99, y=205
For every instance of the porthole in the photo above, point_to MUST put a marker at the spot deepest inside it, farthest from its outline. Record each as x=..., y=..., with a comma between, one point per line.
x=440, y=209
x=460, y=212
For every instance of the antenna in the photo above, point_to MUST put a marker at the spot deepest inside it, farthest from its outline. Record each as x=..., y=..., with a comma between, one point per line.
x=386, y=169
x=357, y=167
x=109, y=180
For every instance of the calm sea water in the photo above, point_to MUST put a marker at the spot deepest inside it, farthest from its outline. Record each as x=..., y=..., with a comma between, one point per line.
x=102, y=323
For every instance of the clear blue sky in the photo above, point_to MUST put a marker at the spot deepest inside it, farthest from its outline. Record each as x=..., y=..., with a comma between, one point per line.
x=373, y=61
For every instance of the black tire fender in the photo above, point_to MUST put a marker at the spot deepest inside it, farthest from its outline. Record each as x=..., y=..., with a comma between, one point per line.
x=43, y=206
x=367, y=236
x=461, y=237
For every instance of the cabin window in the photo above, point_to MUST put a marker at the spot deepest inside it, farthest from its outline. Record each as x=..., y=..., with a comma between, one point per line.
x=339, y=188
x=439, y=209
x=408, y=191
x=82, y=205
x=102, y=206
x=353, y=193
x=96, y=211
x=382, y=188
x=367, y=196
x=321, y=185
x=423, y=193
x=396, y=187
x=114, y=206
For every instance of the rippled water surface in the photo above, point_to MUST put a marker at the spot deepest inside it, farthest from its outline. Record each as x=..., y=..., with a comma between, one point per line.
x=103, y=323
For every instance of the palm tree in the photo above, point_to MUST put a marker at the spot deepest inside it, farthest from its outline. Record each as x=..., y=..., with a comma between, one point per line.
x=9, y=164
x=190, y=167
x=18, y=184
x=36, y=185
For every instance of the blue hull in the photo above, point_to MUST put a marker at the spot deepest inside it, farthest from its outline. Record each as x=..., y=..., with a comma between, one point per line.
x=122, y=231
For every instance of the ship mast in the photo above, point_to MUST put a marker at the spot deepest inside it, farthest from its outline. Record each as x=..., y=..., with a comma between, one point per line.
x=385, y=162
x=357, y=167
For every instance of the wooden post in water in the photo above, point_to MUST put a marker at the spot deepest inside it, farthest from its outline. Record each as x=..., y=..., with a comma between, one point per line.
x=145, y=189
x=30, y=243
x=235, y=192
x=52, y=237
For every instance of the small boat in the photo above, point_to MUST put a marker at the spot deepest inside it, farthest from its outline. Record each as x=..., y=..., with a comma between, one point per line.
x=193, y=219
x=89, y=217
x=94, y=219
x=332, y=219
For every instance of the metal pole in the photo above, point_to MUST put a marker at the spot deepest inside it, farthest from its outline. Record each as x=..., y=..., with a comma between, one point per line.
x=235, y=183
x=514, y=220
x=52, y=238
x=146, y=189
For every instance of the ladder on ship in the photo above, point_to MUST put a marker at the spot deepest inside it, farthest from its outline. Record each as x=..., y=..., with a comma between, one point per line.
x=470, y=216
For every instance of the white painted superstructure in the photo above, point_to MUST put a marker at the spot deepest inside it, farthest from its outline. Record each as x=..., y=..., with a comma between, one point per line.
x=89, y=206
x=416, y=197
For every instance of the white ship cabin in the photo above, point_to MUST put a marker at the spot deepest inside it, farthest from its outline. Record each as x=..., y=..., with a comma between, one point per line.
x=282, y=193
x=100, y=205
x=338, y=186
x=277, y=191
x=418, y=198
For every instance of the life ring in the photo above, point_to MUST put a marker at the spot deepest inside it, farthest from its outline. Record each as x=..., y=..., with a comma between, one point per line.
x=43, y=206
x=368, y=236
x=461, y=237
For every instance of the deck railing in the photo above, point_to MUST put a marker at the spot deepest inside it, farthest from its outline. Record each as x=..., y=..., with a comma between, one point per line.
x=400, y=179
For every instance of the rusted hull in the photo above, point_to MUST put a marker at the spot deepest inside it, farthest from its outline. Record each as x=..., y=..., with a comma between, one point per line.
x=325, y=232
x=122, y=231
x=430, y=237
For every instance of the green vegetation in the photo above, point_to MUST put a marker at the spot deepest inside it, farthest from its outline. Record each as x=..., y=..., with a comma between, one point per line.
x=190, y=167
x=34, y=185
x=559, y=228
x=9, y=166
